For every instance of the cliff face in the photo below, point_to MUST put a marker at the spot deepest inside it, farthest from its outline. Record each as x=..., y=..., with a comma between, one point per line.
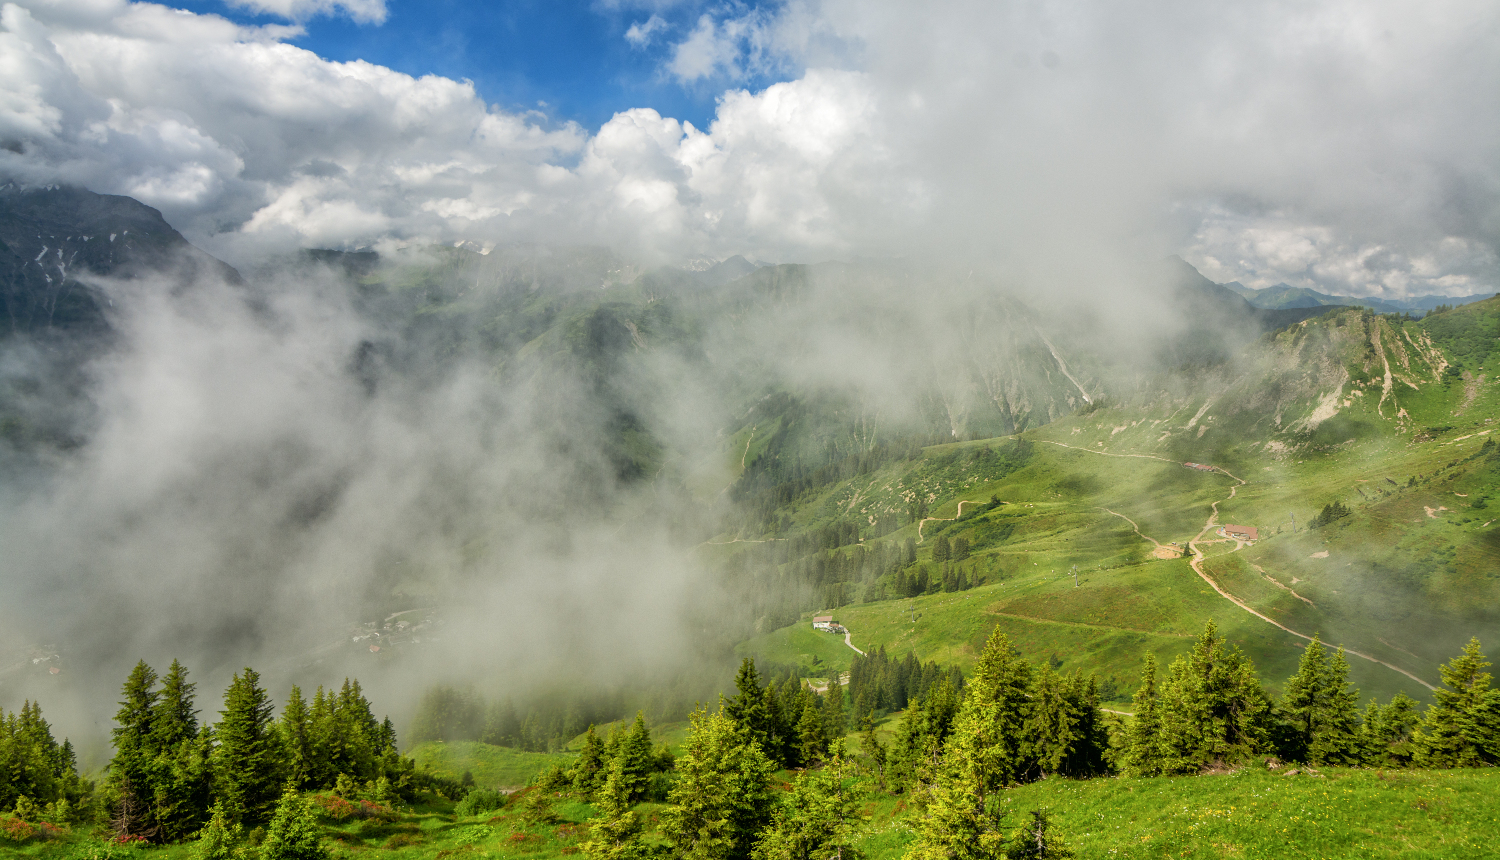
x=53, y=239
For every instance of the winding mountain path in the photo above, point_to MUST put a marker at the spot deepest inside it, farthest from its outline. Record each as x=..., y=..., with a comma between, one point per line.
x=1196, y=562
x=925, y=520
x=847, y=634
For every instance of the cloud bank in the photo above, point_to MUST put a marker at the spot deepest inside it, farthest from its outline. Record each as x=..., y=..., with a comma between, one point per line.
x=1347, y=146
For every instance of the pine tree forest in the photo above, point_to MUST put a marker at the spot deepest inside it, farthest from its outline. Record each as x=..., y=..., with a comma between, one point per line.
x=766, y=774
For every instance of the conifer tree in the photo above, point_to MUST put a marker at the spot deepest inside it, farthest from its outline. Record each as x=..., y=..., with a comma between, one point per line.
x=811, y=738
x=875, y=752
x=819, y=819
x=1064, y=729
x=941, y=549
x=615, y=834
x=590, y=767
x=635, y=759
x=219, y=839
x=247, y=757
x=1386, y=732
x=132, y=771
x=748, y=707
x=1321, y=708
x=722, y=796
x=1462, y=727
x=174, y=719
x=964, y=817
x=1212, y=707
x=296, y=741
x=835, y=723
x=1142, y=754
x=293, y=831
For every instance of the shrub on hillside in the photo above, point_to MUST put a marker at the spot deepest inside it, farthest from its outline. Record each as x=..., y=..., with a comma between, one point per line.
x=478, y=801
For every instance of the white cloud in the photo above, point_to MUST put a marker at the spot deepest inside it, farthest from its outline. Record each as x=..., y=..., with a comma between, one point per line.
x=641, y=32
x=1349, y=145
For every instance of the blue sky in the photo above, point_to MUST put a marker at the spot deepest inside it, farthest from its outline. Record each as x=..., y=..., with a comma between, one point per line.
x=570, y=59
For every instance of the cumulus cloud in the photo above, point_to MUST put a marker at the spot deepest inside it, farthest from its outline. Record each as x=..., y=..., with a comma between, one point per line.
x=1059, y=139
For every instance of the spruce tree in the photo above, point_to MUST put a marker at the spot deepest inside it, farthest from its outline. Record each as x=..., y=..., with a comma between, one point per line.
x=1051, y=725
x=1142, y=754
x=1037, y=839
x=722, y=797
x=293, y=831
x=1462, y=727
x=174, y=719
x=818, y=819
x=296, y=741
x=835, y=723
x=1321, y=708
x=132, y=771
x=1212, y=708
x=748, y=707
x=811, y=739
x=590, y=767
x=219, y=839
x=635, y=759
x=247, y=758
x=1386, y=732
x=615, y=834
x=964, y=817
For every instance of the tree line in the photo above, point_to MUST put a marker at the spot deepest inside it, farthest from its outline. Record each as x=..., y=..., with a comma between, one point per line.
x=172, y=776
x=965, y=741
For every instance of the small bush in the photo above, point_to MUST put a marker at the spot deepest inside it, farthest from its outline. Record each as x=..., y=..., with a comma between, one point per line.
x=478, y=801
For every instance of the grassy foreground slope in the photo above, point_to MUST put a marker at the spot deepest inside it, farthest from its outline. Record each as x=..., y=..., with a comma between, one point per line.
x=1333, y=813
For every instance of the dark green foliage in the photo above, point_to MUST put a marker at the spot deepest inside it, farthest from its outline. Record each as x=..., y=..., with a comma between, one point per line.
x=964, y=816
x=835, y=720
x=293, y=832
x=33, y=765
x=942, y=550
x=588, y=769
x=1066, y=735
x=1212, y=707
x=1386, y=732
x=812, y=741
x=634, y=760
x=1462, y=727
x=929, y=721
x=722, y=797
x=1142, y=755
x=878, y=683
x=819, y=818
x=1332, y=512
x=477, y=801
x=1321, y=709
x=221, y=838
x=615, y=834
x=247, y=759
x=748, y=706
x=299, y=758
